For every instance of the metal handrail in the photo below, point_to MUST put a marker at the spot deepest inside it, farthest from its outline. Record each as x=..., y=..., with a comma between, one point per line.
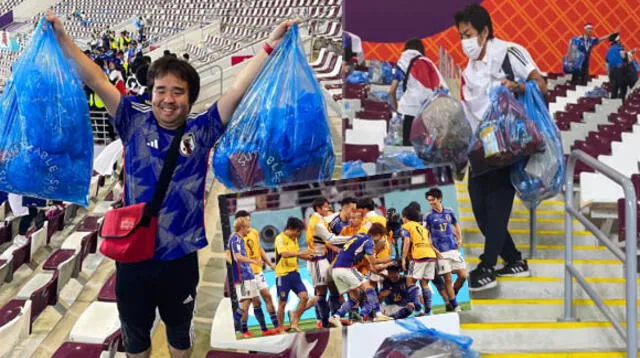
x=629, y=258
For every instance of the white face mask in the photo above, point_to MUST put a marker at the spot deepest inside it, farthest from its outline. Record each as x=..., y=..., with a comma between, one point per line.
x=471, y=48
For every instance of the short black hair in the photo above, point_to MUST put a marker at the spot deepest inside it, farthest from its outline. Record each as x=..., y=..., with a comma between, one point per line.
x=318, y=202
x=366, y=203
x=294, y=224
x=147, y=59
x=414, y=44
x=435, y=192
x=411, y=214
x=348, y=200
x=181, y=69
x=416, y=205
x=477, y=16
x=141, y=74
x=242, y=214
x=166, y=52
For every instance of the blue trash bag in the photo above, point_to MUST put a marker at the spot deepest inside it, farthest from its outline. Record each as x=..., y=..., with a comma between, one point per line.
x=358, y=77
x=387, y=73
x=353, y=169
x=400, y=161
x=280, y=132
x=421, y=341
x=46, y=143
x=574, y=59
x=597, y=92
x=441, y=134
x=541, y=176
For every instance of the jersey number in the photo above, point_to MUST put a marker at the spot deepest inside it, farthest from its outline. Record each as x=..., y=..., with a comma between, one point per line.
x=346, y=246
x=397, y=297
x=443, y=227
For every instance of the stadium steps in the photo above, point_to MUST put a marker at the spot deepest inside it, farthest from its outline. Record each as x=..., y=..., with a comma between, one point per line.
x=519, y=317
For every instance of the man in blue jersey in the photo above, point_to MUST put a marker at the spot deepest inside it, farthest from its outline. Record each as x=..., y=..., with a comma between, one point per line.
x=447, y=238
x=395, y=297
x=243, y=278
x=349, y=280
x=167, y=282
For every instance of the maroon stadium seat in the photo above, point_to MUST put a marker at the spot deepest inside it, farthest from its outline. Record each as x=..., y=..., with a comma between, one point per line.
x=56, y=258
x=366, y=152
x=108, y=290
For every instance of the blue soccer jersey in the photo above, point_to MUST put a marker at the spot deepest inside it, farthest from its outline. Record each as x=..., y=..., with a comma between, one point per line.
x=440, y=225
x=336, y=224
x=354, y=249
x=181, y=217
x=241, y=271
x=398, y=291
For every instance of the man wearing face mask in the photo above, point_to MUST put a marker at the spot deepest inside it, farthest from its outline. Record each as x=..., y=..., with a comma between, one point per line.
x=492, y=62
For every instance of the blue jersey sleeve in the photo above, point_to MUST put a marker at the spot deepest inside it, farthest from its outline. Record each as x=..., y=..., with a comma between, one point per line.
x=210, y=125
x=127, y=116
x=398, y=75
x=453, y=217
x=368, y=246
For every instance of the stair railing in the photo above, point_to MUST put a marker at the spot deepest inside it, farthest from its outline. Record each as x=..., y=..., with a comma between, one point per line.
x=629, y=258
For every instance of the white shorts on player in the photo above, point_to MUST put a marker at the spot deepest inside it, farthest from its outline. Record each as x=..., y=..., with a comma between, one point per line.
x=346, y=279
x=374, y=277
x=451, y=261
x=246, y=290
x=261, y=282
x=425, y=270
x=320, y=272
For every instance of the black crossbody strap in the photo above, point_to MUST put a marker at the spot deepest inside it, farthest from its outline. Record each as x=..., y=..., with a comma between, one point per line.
x=406, y=76
x=166, y=174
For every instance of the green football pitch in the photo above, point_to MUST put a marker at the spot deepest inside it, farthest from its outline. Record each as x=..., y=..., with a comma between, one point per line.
x=310, y=324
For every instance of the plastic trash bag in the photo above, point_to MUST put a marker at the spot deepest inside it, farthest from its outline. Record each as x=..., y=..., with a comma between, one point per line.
x=279, y=133
x=358, y=77
x=542, y=176
x=394, y=136
x=505, y=136
x=46, y=143
x=574, y=59
x=353, y=169
x=442, y=133
x=597, y=92
x=379, y=96
x=425, y=342
x=380, y=72
x=400, y=161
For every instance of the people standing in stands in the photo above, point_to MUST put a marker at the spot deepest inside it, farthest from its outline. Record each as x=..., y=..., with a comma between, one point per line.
x=617, y=60
x=586, y=43
x=492, y=62
x=418, y=78
x=352, y=51
x=168, y=281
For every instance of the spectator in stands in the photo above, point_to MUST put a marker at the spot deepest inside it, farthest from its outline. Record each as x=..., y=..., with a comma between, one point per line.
x=492, y=62
x=419, y=78
x=353, y=53
x=167, y=282
x=586, y=43
x=166, y=53
x=185, y=56
x=116, y=78
x=617, y=59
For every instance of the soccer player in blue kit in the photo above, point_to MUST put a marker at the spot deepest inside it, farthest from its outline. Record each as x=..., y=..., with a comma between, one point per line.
x=349, y=280
x=395, y=297
x=447, y=238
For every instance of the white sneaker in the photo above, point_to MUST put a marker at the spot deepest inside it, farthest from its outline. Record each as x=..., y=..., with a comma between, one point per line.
x=335, y=321
x=457, y=309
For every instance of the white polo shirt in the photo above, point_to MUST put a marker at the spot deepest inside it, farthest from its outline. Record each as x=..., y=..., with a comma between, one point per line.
x=481, y=76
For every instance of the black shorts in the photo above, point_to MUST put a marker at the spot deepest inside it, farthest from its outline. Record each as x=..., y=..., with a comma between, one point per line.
x=168, y=285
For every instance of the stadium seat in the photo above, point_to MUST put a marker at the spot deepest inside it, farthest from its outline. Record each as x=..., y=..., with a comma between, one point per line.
x=364, y=152
x=97, y=323
x=5, y=231
x=38, y=239
x=41, y=290
x=108, y=290
x=15, y=324
x=6, y=270
x=89, y=223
